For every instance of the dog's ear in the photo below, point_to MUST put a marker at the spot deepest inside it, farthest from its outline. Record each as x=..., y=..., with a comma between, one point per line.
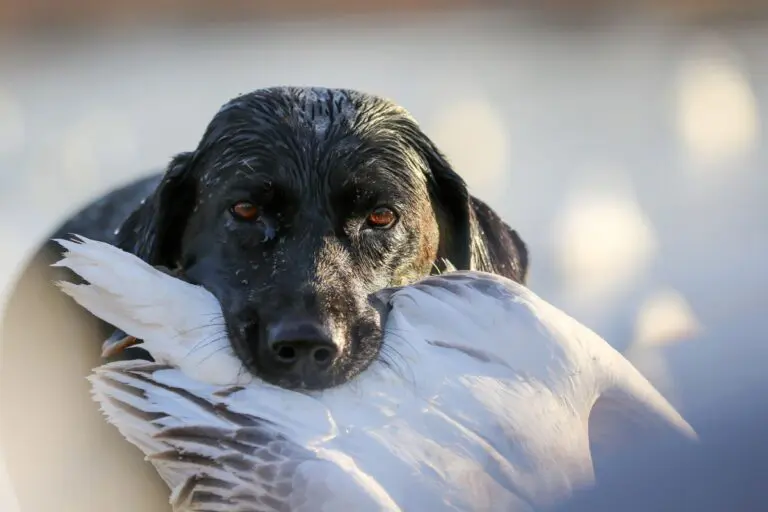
x=472, y=235
x=153, y=231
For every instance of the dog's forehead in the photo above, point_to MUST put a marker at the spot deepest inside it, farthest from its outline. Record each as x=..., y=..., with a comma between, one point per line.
x=301, y=126
x=318, y=108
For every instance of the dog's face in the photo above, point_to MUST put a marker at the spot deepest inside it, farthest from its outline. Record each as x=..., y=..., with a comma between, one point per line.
x=296, y=206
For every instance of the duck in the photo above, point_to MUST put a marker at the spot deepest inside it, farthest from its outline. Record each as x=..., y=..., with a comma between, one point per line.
x=484, y=397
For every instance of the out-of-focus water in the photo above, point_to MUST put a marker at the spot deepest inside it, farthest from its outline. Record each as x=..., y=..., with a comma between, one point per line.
x=630, y=157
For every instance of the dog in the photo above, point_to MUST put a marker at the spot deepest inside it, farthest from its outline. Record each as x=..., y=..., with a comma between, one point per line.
x=296, y=205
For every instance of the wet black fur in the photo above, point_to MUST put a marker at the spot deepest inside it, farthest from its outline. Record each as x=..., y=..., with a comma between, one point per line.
x=315, y=161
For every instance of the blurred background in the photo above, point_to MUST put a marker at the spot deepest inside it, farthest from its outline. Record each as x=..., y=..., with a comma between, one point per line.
x=625, y=141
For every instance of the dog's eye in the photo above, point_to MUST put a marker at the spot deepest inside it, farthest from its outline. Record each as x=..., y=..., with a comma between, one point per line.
x=381, y=218
x=244, y=210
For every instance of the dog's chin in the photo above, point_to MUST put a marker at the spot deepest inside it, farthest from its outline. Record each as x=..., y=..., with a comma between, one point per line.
x=361, y=354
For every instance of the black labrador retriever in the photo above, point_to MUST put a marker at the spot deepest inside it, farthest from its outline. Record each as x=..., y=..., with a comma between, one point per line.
x=295, y=206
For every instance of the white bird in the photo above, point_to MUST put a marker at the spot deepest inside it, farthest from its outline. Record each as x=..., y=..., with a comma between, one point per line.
x=485, y=398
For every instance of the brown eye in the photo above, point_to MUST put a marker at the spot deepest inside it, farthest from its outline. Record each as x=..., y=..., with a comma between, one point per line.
x=245, y=210
x=381, y=218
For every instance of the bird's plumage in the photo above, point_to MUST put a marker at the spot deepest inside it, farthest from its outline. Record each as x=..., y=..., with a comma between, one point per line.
x=144, y=302
x=484, y=397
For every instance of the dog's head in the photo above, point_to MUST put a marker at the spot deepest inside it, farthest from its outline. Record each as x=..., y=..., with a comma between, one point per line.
x=298, y=204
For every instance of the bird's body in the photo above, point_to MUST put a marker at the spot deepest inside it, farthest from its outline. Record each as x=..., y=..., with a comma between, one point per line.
x=484, y=398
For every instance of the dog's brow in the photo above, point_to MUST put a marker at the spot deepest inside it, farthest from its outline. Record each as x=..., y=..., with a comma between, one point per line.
x=249, y=175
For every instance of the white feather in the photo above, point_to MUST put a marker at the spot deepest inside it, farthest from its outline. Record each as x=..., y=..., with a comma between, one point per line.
x=142, y=301
x=486, y=400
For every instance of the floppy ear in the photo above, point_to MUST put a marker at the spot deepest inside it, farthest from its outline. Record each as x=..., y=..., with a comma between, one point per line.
x=472, y=235
x=153, y=231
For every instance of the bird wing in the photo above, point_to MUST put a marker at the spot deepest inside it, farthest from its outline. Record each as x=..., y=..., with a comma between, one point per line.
x=214, y=456
x=179, y=322
x=117, y=291
x=542, y=389
x=505, y=322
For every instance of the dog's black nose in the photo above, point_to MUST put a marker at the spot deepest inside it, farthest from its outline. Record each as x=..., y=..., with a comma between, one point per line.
x=301, y=347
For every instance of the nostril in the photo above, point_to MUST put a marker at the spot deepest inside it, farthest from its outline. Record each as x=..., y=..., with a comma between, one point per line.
x=285, y=353
x=300, y=346
x=293, y=351
x=323, y=355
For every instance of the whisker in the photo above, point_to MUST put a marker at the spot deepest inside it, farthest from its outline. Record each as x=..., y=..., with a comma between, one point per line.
x=218, y=350
x=197, y=328
x=395, y=329
x=393, y=359
x=207, y=342
x=218, y=327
